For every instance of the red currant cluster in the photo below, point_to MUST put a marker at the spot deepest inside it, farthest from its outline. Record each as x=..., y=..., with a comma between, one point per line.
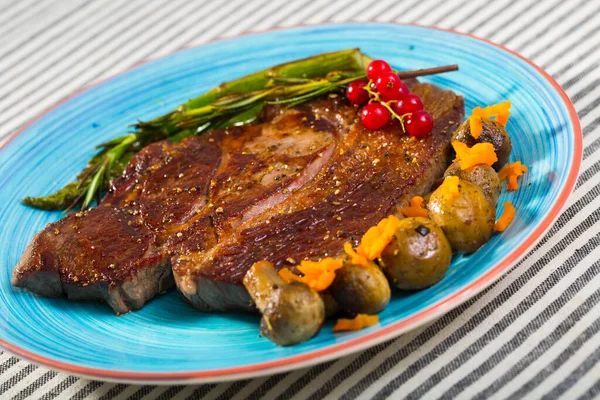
x=386, y=97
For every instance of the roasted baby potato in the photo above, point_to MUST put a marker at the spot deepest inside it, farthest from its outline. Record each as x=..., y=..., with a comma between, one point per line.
x=291, y=312
x=418, y=255
x=331, y=306
x=467, y=219
x=492, y=132
x=361, y=289
x=481, y=175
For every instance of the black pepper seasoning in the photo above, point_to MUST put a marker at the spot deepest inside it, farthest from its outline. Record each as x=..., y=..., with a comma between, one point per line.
x=422, y=230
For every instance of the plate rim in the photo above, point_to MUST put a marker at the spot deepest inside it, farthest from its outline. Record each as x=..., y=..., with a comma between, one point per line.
x=355, y=345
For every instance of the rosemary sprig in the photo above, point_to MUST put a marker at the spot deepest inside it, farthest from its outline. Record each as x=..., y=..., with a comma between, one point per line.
x=233, y=103
x=110, y=161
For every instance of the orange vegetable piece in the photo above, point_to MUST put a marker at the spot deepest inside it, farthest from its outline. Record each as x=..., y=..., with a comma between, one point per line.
x=355, y=258
x=289, y=276
x=506, y=218
x=318, y=275
x=478, y=112
x=449, y=187
x=511, y=172
x=417, y=201
x=321, y=281
x=503, y=118
x=316, y=267
x=416, y=208
x=475, y=126
x=318, y=282
x=359, y=322
x=377, y=237
x=500, y=111
x=481, y=153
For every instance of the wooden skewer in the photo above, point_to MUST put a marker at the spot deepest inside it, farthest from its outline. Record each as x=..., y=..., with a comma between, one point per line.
x=427, y=71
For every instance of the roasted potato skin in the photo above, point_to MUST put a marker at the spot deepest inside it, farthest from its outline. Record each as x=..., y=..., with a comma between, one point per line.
x=292, y=312
x=331, y=305
x=467, y=219
x=492, y=132
x=361, y=290
x=481, y=175
x=418, y=255
x=293, y=315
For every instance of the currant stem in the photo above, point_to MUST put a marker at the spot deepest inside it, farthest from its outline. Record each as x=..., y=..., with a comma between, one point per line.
x=375, y=97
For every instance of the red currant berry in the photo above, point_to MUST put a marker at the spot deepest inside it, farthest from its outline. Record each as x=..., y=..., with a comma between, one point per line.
x=356, y=94
x=419, y=124
x=374, y=116
x=376, y=68
x=408, y=104
x=401, y=92
x=391, y=87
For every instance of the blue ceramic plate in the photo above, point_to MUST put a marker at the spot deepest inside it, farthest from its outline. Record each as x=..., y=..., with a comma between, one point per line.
x=167, y=341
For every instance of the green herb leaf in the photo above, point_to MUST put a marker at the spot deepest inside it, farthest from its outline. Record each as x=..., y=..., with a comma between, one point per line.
x=243, y=118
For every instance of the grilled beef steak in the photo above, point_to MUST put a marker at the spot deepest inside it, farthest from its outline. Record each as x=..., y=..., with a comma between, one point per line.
x=299, y=184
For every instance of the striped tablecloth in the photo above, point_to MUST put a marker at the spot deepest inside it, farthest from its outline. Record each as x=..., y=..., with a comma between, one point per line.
x=535, y=333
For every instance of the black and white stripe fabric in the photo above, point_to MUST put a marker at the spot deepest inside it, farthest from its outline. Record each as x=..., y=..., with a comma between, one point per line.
x=533, y=334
